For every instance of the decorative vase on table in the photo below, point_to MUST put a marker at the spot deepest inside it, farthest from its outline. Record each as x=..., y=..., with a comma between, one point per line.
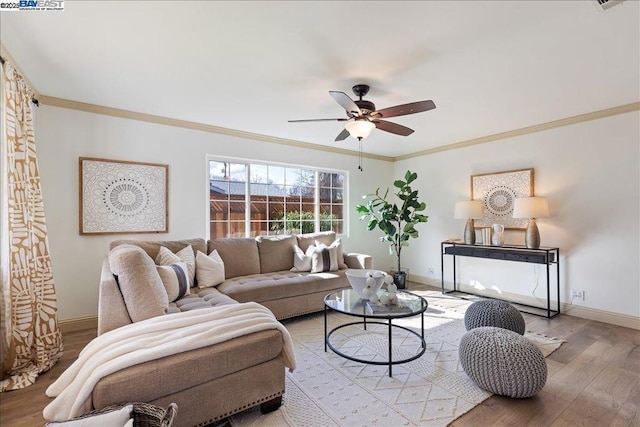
x=498, y=235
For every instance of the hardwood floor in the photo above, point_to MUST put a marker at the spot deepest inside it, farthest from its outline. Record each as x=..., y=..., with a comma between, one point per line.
x=594, y=379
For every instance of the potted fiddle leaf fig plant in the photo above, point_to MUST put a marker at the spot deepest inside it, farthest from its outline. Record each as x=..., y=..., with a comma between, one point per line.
x=396, y=221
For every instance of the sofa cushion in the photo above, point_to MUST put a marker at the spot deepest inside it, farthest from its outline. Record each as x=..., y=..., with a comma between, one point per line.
x=276, y=253
x=185, y=255
x=175, y=278
x=157, y=379
x=280, y=285
x=240, y=255
x=309, y=239
x=139, y=282
x=209, y=269
x=153, y=247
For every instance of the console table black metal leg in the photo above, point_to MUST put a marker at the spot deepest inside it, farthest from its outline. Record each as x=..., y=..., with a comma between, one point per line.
x=442, y=267
x=558, y=277
x=455, y=280
x=548, y=294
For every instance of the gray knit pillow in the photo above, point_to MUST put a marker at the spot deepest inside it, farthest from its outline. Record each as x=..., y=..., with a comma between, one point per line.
x=496, y=313
x=502, y=362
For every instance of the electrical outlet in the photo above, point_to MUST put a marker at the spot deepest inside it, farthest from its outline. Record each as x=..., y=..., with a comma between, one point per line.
x=431, y=272
x=577, y=294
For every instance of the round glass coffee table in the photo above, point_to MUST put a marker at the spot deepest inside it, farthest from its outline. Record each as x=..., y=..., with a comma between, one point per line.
x=347, y=301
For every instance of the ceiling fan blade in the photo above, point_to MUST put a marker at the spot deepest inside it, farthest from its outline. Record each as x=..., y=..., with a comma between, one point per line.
x=393, y=127
x=404, y=109
x=319, y=120
x=343, y=135
x=346, y=102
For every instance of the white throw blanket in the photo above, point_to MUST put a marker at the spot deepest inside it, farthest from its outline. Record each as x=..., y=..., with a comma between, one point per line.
x=153, y=339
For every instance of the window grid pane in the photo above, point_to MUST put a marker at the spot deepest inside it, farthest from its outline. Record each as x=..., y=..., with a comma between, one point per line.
x=282, y=200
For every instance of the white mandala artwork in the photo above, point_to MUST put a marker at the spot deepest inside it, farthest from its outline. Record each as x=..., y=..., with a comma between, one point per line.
x=497, y=192
x=122, y=197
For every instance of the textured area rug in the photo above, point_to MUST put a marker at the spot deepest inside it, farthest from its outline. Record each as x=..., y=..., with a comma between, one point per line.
x=329, y=390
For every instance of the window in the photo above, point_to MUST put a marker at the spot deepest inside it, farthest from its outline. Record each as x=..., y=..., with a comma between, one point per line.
x=254, y=199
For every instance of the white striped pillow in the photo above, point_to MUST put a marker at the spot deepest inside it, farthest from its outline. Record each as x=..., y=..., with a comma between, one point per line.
x=324, y=258
x=166, y=257
x=175, y=278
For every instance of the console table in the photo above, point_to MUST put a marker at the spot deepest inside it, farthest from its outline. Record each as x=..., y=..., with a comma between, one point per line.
x=550, y=257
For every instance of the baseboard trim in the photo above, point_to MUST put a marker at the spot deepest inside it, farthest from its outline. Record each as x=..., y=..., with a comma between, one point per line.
x=78, y=324
x=588, y=313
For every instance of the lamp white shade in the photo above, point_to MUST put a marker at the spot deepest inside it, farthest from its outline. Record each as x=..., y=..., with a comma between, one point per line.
x=468, y=209
x=530, y=207
x=360, y=129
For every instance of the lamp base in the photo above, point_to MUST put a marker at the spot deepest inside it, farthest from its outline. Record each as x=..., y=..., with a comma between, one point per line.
x=470, y=232
x=532, y=235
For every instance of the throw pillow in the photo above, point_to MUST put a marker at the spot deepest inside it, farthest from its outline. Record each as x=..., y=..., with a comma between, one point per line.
x=139, y=282
x=338, y=245
x=209, y=269
x=324, y=258
x=175, y=278
x=166, y=257
x=302, y=260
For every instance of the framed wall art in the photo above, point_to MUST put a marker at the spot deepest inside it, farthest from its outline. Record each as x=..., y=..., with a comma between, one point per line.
x=497, y=192
x=118, y=197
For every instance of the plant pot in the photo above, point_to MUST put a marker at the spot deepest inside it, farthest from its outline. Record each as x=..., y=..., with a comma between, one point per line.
x=400, y=278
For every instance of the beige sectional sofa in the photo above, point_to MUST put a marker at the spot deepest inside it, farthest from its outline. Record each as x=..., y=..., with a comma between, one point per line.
x=214, y=382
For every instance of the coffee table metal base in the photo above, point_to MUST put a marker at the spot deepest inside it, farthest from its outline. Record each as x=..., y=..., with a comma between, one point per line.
x=390, y=362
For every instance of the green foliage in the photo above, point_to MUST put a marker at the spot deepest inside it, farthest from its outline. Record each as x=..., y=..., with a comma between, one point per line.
x=296, y=222
x=397, y=223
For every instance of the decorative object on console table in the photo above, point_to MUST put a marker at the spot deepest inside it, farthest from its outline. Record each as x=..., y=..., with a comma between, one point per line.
x=497, y=192
x=469, y=210
x=396, y=222
x=531, y=208
x=118, y=197
x=497, y=239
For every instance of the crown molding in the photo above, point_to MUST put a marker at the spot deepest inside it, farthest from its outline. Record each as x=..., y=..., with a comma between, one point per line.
x=150, y=118
x=634, y=106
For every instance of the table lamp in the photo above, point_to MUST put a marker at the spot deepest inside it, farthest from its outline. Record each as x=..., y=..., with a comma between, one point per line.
x=469, y=210
x=532, y=208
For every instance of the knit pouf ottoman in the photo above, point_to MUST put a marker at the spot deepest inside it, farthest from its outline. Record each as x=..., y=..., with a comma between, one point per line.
x=496, y=313
x=502, y=362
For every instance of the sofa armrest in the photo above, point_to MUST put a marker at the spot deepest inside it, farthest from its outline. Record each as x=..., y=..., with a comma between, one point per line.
x=358, y=261
x=112, y=311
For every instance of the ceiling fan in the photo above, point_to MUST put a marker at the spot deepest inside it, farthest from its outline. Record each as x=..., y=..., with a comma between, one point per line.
x=362, y=116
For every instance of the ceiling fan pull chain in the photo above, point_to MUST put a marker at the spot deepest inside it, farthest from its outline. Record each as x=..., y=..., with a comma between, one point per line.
x=360, y=154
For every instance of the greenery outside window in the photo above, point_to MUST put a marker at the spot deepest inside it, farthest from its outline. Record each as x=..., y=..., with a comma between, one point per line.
x=248, y=199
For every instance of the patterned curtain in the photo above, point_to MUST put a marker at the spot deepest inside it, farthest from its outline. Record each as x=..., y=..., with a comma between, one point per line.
x=31, y=339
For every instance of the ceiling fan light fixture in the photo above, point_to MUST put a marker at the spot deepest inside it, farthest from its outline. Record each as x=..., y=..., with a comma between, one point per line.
x=360, y=129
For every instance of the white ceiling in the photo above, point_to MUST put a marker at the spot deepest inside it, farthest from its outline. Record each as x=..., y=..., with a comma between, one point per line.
x=490, y=67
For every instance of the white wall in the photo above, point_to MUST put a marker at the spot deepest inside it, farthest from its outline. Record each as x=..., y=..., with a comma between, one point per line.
x=591, y=174
x=64, y=135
